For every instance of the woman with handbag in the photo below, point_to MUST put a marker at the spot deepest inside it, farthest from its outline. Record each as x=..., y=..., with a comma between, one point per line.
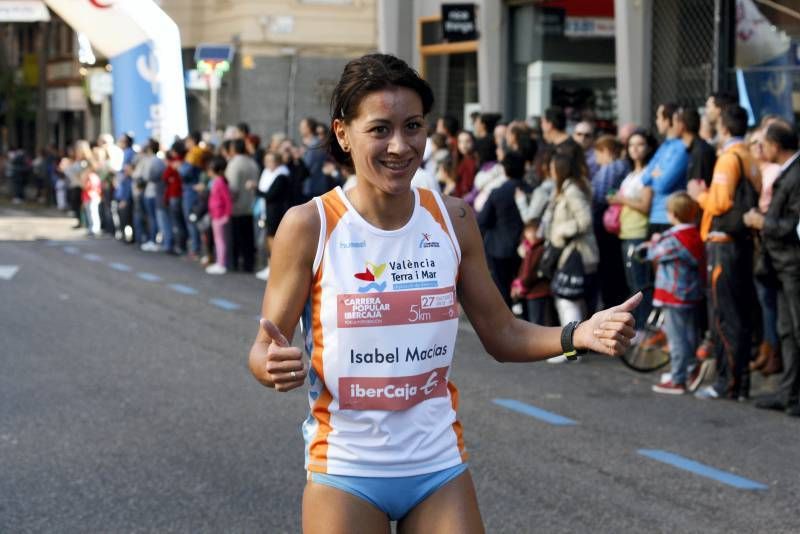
x=570, y=230
x=633, y=201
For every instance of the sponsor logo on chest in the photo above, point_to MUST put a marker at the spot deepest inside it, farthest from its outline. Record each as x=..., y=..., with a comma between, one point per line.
x=391, y=393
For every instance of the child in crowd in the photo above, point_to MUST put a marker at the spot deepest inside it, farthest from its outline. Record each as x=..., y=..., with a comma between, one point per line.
x=529, y=286
x=220, y=208
x=679, y=254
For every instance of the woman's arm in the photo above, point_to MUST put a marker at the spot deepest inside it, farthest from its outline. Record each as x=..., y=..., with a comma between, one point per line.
x=508, y=339
x=285, y=296
x=642, y=203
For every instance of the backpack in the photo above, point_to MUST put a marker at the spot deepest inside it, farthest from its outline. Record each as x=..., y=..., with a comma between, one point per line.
x=745, y=198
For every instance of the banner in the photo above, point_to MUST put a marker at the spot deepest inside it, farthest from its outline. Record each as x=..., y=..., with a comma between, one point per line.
x=763, y=55
x=144, y=48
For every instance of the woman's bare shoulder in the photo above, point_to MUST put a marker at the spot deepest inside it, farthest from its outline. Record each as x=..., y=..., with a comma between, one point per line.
x=299, y=230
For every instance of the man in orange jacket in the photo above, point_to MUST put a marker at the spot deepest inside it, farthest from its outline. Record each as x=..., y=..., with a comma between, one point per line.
x=729, y=251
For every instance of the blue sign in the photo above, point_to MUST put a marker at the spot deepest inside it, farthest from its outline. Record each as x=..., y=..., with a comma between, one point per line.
x=767, y=91
x=136, y=101
x=208, y=52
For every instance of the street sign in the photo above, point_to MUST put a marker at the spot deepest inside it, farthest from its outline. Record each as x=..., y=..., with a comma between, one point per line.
x=213, y=53
x=458, y=22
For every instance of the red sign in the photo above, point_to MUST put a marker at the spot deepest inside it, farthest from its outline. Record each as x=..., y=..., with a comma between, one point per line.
x=583, y=8
x=391, y=393
x=396, y=307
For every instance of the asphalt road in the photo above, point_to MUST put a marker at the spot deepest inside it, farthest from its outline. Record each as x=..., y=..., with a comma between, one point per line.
x=126, y=406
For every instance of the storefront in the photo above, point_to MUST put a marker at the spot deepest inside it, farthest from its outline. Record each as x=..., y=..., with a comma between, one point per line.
x=562, y=53
x=515, y=57
x=448, y=59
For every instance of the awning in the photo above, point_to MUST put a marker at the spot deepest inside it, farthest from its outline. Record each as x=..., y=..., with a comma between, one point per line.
x=23, y=11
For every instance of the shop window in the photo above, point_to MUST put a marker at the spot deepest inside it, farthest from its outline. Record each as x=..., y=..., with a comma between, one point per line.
x=450, y=68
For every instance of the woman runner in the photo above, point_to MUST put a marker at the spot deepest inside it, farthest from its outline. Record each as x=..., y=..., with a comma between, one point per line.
x=375, y=273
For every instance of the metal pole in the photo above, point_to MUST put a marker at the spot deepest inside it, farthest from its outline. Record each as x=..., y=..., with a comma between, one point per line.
x=724, y=44
x=290, y=104
x=212, y=86
x=42, y=37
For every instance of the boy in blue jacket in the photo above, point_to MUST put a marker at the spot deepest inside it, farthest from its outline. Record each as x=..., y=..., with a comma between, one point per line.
x=679, y=253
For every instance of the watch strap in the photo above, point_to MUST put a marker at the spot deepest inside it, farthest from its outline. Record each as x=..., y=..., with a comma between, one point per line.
x=567, y=344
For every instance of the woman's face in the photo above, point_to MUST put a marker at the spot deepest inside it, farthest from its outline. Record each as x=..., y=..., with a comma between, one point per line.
x=465, y=145
x=637, y=148
x=269, y=162
x=386, y=139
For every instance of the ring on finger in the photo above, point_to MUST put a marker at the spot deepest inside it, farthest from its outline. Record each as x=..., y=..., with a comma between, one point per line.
x=294, y=374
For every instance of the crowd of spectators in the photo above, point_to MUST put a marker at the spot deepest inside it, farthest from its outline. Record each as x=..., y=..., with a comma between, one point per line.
x=704, y=222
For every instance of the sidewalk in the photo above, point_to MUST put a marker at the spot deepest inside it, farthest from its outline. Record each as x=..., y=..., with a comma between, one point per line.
x=31, y=221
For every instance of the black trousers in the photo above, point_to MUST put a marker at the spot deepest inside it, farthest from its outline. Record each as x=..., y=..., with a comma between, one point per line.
x=789, y=335
x=74, y=197
x=503, y=271
x=613, y=288
x=243, y=249
x=730, y=268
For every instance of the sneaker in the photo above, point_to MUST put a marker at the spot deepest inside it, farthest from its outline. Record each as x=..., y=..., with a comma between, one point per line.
x=216, y=269
x=263, y=274
x=562, y=359
x=150, y=247
x=669, y=388
x=707, y=392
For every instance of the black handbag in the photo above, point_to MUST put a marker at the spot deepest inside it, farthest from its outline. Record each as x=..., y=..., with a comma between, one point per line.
x=569, y=281
x=763, y=269
x=548, y=264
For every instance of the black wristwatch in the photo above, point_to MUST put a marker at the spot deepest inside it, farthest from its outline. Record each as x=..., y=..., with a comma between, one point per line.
x=567, y=345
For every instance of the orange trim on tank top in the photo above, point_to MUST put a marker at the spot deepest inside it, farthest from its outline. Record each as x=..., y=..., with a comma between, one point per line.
x=318, y=448
x=457, y=428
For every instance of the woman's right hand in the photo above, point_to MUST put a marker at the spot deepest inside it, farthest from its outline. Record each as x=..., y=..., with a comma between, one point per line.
x=278, y=363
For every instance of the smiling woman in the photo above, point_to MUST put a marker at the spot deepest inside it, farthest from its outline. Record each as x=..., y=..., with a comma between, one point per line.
x=383, y=441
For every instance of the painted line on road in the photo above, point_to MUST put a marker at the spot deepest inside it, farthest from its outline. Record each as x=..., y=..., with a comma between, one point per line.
x=120, y=267
x=72, y=250
x=226, y=305
x=533, y=411
x=149, y=277
x=185, y=290
x=681, y=462
x=92, y=257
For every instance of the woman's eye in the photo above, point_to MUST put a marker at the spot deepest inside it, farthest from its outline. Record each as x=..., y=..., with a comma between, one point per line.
x=380, y=130
x=414, y=125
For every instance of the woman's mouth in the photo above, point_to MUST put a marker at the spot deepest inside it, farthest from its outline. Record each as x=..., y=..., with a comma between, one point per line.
x=397, y=165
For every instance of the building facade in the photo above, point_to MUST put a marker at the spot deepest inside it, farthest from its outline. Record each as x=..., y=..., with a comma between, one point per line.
x=525, y=55
x=288, y=56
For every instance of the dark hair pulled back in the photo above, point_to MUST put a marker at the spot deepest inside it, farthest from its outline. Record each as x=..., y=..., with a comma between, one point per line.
x=365, y=75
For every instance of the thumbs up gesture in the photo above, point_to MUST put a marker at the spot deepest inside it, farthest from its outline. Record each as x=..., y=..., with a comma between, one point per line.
x=609, y=331
x=280, y=365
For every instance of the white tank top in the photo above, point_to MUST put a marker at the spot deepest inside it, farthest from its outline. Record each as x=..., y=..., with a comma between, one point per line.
x=381, y=326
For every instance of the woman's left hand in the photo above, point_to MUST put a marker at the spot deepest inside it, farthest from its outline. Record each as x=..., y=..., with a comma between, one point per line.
x=609, y=331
